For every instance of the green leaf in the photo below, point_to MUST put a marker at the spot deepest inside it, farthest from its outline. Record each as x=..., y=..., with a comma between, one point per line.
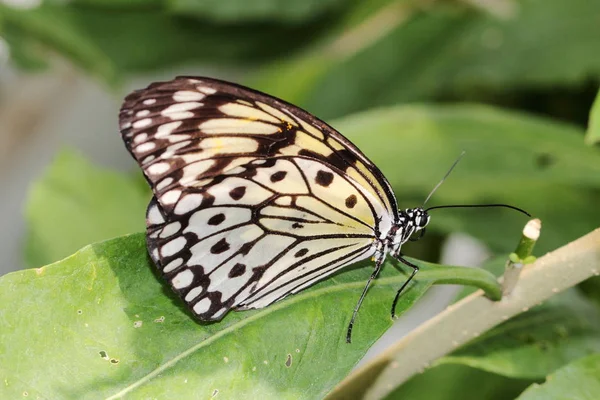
x=450, y=382
x=266, y=10
x=593, y=130
x=538, y=342
x=510, y=158
x=452, y=49
x=579, y=380
x=75, y=204
x=100, y=324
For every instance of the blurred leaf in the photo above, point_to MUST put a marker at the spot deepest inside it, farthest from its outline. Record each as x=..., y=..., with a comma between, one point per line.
x=450, y=382
x=54, y=30
x=148, y=37
x=511, y=158
x=591, y=289
x=294, y=78
x=26, y=52
x=579, y=380
x=593, y=130
x=177, y=40
x=264, y=10
x=75, y=204
x=113, y=329
x=538, y=342
x=118, y=5
x=450, y=48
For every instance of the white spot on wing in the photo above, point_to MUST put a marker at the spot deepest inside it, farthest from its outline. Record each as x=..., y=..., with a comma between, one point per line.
x=206, y=89
x=149, y=102
x=142, y=123
x=170, y=230
x=166, y=129
x=142, y=113
x=180, y=110
x=158, y=168
x=173, y=246
x=154, y=216
x=240, y=126
x=192, y=172
x=183, y=279
x=164, y=183
x=188, y=203
x=171, y=196
x=202, y=306
x=192, y=294
x=170, y=151
x=187, y=95
x=173, y=264
x=148, y=159
x=229, y=145
x=144, y=147
x=140, y=137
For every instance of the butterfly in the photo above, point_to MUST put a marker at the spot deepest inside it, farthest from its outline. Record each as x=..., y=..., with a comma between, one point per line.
x=254, y=198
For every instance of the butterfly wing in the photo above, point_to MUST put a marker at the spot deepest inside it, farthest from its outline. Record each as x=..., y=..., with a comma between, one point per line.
x=254, y=198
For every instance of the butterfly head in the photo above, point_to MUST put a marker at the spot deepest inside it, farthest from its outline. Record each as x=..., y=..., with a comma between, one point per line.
x=416, y=219
x=410, y=221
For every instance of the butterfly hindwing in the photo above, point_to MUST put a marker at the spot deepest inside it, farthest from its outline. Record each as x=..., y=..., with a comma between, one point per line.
x=252, y=248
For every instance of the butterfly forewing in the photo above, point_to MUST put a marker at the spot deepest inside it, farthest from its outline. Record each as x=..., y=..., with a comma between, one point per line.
x=254, y=199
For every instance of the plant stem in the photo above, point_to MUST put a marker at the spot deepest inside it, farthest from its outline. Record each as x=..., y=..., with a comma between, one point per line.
x=521, y=256
x=473, y=315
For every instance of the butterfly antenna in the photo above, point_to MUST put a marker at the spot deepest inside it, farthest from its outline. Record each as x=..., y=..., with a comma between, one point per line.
x=480, y=206
x=444, y=178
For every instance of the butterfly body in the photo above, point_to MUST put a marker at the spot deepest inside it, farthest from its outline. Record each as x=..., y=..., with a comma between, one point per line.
x=254, y=198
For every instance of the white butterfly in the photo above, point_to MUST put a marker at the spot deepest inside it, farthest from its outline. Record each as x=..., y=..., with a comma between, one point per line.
x=254, y=198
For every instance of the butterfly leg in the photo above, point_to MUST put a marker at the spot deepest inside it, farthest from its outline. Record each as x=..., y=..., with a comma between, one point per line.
x=415, y=270
x=378, y=265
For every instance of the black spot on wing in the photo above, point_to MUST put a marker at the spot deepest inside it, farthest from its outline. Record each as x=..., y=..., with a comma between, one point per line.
x=216, y=219
x=237, y=270
x=278, y=176
x=220, y=247
x=301, y=253
x=238, y=192
x=351, y=201
x=324, y=178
